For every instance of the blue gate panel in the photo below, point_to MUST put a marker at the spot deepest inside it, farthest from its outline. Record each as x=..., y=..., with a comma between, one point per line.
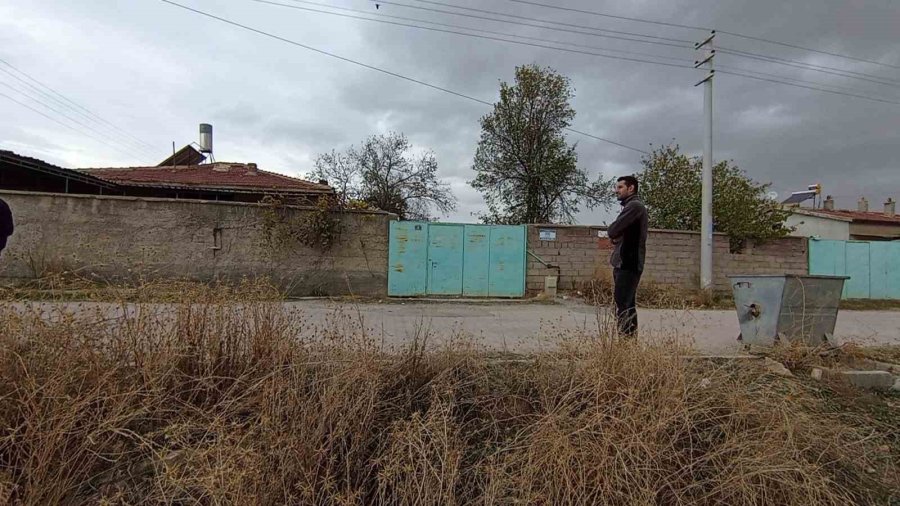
x=507, y=262
x=454, y=259
x=884, y=281
x=476, y=261
x=893, y=274
x=445, y=259
x=857, y=264
x=873, y=266
x=879, y=270
x=407, y=258
x=826, y=257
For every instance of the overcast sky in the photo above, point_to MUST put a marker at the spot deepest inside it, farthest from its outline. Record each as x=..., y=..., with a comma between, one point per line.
x=156, y=71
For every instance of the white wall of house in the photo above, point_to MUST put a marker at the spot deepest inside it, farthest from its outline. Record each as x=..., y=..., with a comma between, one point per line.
x=814, y=226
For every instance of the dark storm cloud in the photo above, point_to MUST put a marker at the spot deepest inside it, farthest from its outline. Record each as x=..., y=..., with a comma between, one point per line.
x=281, y=105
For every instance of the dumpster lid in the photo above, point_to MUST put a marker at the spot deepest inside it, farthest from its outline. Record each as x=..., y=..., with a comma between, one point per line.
x=803, y=276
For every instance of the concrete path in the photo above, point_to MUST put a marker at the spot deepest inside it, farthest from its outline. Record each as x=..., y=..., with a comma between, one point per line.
x=526, y=327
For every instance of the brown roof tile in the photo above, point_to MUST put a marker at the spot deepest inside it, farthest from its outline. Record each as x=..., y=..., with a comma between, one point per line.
x=871, y=216
x=219, y=175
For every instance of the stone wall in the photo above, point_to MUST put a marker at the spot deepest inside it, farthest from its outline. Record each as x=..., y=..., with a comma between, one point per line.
x=111, y=238
x=581, y=253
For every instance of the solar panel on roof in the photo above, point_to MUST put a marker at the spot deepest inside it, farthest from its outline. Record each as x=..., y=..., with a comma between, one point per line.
x=798, y=197
x=185, y=156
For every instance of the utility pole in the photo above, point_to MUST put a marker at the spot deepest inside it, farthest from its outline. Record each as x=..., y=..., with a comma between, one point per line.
x=706, y=217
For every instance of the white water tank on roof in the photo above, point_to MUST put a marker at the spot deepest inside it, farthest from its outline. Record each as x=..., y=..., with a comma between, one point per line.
x=206, y=141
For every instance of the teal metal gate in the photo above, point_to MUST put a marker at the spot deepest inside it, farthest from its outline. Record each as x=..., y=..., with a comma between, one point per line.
x=873, y=266
x=456, y=260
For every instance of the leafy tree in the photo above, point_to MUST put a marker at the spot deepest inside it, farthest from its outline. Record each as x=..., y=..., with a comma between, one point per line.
x=384, y=173
x=670, y=184
x=524, y=167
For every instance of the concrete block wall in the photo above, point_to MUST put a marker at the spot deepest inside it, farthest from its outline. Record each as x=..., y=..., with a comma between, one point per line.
x=575, y=256
x=578, y=255
x=117, y=237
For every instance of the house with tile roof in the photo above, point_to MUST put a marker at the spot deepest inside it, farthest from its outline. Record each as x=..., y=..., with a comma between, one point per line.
x=861, y=224
x=220, y=181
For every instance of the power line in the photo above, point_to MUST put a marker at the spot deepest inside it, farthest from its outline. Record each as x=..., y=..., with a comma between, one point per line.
x=749, y=76
x=551, y=41
x=63, y=114
x=733, y=34
x=508, y=21
x=558, y=23
x=786, y=78
x=625, y=58
x=491, y=32
x=61, y=123
x=613, y=16
x=579, y=132
x=86, y=110
x=737, y=69
x=809, y=66
x=746, y=54
x=56, y=101
x=370, y=67
x=785, y=44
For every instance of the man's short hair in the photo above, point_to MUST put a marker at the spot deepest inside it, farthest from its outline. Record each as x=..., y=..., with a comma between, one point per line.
x=629, y=181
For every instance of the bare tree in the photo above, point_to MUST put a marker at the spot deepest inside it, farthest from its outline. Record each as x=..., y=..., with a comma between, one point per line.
x=341, y=173
x=385, y=173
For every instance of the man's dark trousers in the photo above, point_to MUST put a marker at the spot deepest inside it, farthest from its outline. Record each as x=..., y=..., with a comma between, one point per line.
x=625, y=292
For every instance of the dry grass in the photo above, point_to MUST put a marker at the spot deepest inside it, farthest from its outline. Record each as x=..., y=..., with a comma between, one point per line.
x=883, y=353
x=71, y=286
x=800, y=357
x=870, y=304
x=599, y=292
x=218, y=402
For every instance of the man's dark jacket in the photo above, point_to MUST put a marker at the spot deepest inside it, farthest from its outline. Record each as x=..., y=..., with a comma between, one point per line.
x=629, y=235
x=6, y=223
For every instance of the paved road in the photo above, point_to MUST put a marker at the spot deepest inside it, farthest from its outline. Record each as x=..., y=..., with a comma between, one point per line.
x=529, y=327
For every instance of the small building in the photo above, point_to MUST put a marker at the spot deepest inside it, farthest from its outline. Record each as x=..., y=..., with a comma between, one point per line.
x=23, y=173
x=221, y=181
x=843, y=224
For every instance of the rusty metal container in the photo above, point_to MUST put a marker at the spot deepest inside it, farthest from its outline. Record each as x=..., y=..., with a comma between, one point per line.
x=773, y=308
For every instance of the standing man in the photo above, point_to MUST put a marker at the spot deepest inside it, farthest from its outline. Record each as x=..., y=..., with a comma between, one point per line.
x=629, y=237
x=6, y=224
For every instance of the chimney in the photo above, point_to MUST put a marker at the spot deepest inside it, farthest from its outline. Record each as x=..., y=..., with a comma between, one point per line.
x=890, y=208
x=828, y=204
x=323, y=182
x=863, y=205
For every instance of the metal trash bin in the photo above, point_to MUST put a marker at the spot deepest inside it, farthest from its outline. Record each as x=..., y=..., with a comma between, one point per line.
x=786, y=307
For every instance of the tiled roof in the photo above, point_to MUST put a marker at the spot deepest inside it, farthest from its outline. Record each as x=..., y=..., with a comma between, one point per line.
x=848, y=215
x=875, y=216
x=219, y=175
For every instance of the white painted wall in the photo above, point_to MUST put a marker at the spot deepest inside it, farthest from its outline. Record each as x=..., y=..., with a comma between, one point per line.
x=823, y=228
